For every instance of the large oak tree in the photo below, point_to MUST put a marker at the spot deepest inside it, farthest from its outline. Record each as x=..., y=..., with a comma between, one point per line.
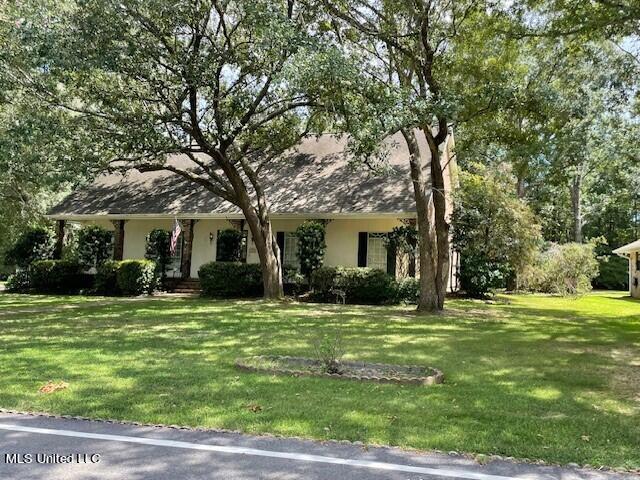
x=230, y=84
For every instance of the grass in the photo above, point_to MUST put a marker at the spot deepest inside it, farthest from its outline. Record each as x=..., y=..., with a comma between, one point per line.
x=528, y=376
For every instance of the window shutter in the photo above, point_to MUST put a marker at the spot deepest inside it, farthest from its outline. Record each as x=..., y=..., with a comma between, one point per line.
x=280, y=242
x=217, y=246
x=391, y=260
x=363, y=240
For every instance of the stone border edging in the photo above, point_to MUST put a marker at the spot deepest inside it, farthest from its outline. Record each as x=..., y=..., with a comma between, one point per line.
x=436, y=378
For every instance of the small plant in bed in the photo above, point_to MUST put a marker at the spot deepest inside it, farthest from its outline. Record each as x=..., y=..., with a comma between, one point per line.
x=329, y=352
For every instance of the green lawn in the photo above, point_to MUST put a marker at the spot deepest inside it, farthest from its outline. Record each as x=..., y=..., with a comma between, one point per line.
x=529, y=376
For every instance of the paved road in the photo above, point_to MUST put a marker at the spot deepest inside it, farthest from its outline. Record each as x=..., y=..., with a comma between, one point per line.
x=145, y=453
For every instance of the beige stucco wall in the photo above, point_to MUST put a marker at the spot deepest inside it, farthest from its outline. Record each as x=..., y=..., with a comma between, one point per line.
x=341, y=237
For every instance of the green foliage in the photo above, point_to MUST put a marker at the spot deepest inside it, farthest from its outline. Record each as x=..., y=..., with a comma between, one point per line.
x=34, y=244
x=408, y=290
x=479, y=275
x=93, y=245
x=565, y=270
x=613, y=273
x=494, y=231
x=158, y=249
x=360, y=285
x=329, y=350
x=229, y=246
x=311, y=246
x=19, y=282
x=106, y=282
x=230, y=279
x=58, y=276
x=294, y=282
x=136, y=277
x=404, y=239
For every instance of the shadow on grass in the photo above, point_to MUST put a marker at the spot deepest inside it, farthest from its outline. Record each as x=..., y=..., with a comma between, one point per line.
x=521, y=380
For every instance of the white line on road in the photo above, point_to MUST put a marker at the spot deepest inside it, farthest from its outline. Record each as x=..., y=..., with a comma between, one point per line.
x=441, y=472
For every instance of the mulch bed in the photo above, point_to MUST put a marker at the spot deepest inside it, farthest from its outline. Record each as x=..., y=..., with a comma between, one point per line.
x=362, y=371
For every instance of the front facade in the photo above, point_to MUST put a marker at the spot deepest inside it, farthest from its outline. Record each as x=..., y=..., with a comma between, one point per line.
x=632, y=252
x=358, y=208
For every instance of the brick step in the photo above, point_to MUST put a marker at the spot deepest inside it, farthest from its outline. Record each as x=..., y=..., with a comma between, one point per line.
x=187, y=285
x=186, y=290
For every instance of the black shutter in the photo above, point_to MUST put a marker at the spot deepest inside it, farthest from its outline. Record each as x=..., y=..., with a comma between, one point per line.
x=280, y=242
x=218, y=246
x=391, y=260
x=363, y=240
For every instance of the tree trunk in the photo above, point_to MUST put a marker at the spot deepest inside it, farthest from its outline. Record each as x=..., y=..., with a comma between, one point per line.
x=520, y=189
x=440, y=220
x=428, y=301
x=268, y=253
x=576, y=207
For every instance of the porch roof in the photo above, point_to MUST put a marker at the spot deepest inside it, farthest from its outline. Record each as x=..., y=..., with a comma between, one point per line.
x=632, y=247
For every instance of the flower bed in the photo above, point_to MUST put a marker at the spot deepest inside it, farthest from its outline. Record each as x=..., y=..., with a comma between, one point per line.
x=372, y=372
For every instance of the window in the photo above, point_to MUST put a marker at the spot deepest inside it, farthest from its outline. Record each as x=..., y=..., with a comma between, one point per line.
x=290, y=254
x=377, y=251
x=637, y=262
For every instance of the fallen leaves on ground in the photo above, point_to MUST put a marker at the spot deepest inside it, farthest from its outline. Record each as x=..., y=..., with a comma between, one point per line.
x=51, y=387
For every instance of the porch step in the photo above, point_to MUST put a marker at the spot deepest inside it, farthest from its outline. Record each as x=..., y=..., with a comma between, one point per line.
x=187, y=285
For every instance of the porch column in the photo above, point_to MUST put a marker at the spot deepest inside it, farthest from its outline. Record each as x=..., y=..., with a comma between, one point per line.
x=57, y=253
x=187, y=247
x=118, y=239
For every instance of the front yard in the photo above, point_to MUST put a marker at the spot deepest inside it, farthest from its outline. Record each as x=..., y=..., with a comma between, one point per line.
x=530, y=376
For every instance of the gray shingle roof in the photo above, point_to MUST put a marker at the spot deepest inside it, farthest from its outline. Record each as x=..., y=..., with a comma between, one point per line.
x=315, y=178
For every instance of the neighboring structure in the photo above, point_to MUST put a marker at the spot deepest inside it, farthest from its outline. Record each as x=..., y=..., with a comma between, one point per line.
x=632, y=252
x=316, y=181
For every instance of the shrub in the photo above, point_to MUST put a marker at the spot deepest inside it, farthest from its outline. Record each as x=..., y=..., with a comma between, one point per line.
x=19, y=282
x=57, y=276
x=107, y=278
x=614, y=273
x=495, y=232
x=563, y=270
x=294, y=282
x=135, y=277
x=230, y=279
x=311, y=246
x=93, y=245
x=479, y=275
x=229, y=245
x=360, y=285
x=34, y=244
x=158, y=249
x=408, y=290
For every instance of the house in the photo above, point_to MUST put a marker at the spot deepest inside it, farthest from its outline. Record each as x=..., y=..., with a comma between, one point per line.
x=632, y=252
x=315, y=181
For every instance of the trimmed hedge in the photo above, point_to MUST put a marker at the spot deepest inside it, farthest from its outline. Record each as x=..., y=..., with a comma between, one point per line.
x=230, y=279
x=360, y=285
x=106, y=278
x=58, y=276
x=408, y=290
x=241, y=280
x=128, y=277
x=135, y=277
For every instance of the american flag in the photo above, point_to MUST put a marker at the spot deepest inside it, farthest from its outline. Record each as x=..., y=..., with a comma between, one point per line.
x=175, y=234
